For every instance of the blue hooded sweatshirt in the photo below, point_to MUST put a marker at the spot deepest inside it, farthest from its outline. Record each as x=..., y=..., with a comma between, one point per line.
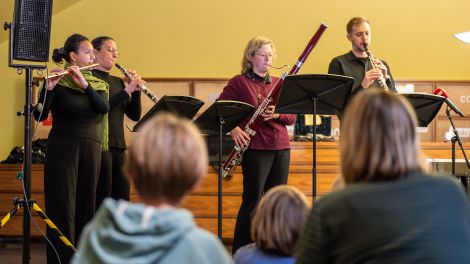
x=123, y=232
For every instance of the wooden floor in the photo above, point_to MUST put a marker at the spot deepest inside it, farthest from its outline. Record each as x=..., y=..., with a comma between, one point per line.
x=12, y=252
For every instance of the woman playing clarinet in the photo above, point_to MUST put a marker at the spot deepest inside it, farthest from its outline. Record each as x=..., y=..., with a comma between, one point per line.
x=123, y=100
x=265, y=163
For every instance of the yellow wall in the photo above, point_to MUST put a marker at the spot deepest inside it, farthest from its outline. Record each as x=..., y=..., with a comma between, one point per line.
x=205, y=38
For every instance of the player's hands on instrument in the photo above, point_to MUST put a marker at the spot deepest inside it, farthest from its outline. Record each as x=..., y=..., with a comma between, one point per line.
x=269, y=114
x=370, y=77
x=77, y=76
x=132, y=73
x=134, y=84
x=52, y=82
x=379, y=64
x=239, y=136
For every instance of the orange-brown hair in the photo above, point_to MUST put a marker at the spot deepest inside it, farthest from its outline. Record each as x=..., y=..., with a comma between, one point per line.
x=166, y=158
x=279, y=219
x=378, y=140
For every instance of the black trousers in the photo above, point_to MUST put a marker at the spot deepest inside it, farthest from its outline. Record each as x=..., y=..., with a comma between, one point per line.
x=262, y=170
x=70, y=174
x=103, y=188
x=112, y=182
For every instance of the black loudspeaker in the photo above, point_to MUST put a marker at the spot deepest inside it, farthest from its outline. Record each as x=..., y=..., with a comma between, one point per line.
x=32, y=30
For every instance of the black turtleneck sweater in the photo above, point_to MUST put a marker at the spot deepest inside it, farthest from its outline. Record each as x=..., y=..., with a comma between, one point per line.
x=120, y=103
x=75, y=113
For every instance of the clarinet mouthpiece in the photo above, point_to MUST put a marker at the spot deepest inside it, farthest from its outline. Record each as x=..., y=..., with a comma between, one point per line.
x=366, y=47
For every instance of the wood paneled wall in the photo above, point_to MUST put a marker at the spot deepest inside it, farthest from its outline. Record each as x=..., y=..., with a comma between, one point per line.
x=208, y=89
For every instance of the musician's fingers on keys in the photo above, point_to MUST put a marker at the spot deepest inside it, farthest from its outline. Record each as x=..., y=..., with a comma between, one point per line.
x=239, y=137
x=238, y=141
x=270, y=109
x=383, y=68
x=51, y=82
x=242, y=141
x=268, y=113
x=133, y=86
x=77, y=76
x=55, y=71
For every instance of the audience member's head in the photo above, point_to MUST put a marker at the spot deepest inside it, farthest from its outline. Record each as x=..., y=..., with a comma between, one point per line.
x=279, y=219
x=378, y=141
x=166, y=159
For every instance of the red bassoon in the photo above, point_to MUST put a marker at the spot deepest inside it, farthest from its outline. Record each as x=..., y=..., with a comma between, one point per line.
x=257, y=119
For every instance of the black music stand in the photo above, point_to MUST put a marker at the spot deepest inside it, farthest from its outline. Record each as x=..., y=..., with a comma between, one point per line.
x=324, y=94
x=222, y=117
x=426, y=107
x=456, y=138
x=184, y=106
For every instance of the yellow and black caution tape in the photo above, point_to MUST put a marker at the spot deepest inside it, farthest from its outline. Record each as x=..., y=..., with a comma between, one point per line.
x=9, y=215
x=54, y=227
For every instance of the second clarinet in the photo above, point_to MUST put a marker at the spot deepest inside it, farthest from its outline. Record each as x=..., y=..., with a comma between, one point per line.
x=142, y=87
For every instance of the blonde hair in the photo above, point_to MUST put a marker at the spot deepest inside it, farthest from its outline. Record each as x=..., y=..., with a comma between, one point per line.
x=166, y=158
x=354, y=22
x=279, y=218
x=251, y=47
x=378, y=139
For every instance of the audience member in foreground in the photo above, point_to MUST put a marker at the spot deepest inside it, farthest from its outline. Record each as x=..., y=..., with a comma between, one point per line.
x=390, y=211
x=275, y=228
x=166, y=159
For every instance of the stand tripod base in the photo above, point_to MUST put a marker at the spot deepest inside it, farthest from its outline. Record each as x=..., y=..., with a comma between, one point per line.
x=21, y=203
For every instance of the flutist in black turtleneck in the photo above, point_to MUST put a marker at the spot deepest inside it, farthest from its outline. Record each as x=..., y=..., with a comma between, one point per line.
x=122, y=100
x=78, y=103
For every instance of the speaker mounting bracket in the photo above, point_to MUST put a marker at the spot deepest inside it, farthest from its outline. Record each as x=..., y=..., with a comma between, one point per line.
x=6, y=26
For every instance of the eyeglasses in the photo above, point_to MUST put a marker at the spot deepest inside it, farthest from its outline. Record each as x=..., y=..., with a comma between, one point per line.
x=110, y=49
x=265, y=55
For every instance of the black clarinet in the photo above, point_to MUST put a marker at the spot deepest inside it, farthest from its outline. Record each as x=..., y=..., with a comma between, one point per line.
x=141, y=86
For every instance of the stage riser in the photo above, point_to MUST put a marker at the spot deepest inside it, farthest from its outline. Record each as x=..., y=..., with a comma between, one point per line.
x=203, y=201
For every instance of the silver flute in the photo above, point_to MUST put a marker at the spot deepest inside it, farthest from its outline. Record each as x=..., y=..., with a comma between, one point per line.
x=142, y=87
x=381, y=80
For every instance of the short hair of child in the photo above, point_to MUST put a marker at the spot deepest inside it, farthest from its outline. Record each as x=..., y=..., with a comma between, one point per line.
x=279, y=220
x=166, y=158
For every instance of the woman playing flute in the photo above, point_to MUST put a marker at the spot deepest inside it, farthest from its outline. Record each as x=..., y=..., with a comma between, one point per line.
x=78, y=103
